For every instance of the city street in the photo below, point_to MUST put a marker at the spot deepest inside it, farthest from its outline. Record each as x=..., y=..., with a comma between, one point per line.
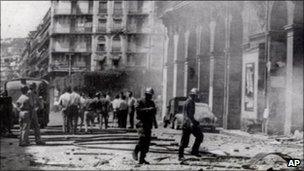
x=111, y=149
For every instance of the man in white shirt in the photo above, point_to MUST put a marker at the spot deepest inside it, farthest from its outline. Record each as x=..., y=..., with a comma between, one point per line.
x=64, y=102
x=75, y=104
x=131, y=108
x=115, y=106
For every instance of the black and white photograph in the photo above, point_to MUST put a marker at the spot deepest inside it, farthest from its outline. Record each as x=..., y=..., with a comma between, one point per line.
x=151, y=85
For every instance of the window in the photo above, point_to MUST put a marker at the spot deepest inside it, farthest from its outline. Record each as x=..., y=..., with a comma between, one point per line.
x=103, y=7
x=101, y=47
x=116, y=38
x=117, y=23
x=117, y=7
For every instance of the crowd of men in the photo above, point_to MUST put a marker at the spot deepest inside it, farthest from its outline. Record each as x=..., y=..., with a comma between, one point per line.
x=95, y=106
x=89, y=107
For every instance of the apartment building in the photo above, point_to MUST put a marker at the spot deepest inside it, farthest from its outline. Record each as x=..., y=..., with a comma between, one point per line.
x=89, y=36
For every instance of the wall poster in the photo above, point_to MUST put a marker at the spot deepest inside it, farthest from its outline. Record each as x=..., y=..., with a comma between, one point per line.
x=249, y=87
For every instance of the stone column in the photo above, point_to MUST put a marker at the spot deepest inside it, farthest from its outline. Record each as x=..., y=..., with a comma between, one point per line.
x=167, y=72
x=198, y=52
x=177, y=71
x=186, y=63
x=212, y=37
x=289, y=80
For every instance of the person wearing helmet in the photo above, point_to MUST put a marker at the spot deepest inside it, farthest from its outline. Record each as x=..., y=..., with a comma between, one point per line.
x=35, y=106
x=24, y=107
x=190, y=126
x=146, y=111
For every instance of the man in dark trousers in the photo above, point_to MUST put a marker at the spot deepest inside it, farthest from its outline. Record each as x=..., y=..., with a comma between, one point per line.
x=190, y=126
x=146, y=111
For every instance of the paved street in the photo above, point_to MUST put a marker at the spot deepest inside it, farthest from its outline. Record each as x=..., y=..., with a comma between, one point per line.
x=111, y=149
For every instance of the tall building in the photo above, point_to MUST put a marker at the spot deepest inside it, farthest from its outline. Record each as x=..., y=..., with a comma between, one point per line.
x=244, y=57
x=80, y=36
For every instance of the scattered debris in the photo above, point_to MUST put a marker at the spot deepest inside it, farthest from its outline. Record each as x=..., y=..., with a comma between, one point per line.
x=260, y=156
x=161, y=158
x=236, y=150
x=101, y=162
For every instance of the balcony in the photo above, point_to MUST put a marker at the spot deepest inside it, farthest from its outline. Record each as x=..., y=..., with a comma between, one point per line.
x=69, y=12
x=81, y=30
x=136, y=11
x=101, y=29
x=60, y=67
x=117, y=29
x=62, y=12
x=73, y=30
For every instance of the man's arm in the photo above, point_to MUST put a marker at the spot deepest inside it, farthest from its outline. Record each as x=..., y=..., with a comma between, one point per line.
x=190, y=113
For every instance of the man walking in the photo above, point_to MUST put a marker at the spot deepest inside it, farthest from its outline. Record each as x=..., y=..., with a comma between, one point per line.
x=146, y=111
x=64, y=102
x=115, y=107
x=35, y=106
x=190, y=126
x=24, y=107
x=131, y=108
x=74, y=109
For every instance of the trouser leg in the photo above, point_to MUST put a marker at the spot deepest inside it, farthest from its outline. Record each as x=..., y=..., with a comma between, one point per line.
x=196, y=131
x=100, y=120
x=105, y=117
x=124, y=118
x=86, y=121
x=34, y=122
x=145, y=140
x=64, y=119
x=184, y=141
x=24, y=121
x=131, y=118
x=75, y=123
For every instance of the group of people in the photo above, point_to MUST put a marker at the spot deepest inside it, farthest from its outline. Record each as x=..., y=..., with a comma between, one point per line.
x=146, y=110
x=73, y=105
x=28, y=104
x=89, y=107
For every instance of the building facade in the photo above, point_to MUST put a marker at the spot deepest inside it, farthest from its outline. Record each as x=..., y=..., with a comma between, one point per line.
x=92, y=36
x=244, y=57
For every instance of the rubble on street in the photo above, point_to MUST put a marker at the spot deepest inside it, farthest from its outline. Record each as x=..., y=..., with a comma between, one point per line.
x=111, y=149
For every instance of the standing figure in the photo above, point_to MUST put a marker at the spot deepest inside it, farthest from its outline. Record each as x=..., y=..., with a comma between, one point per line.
x=35, y=106
x=123, y=112
x=24, y=109
x=146, y=111
x=131, y=107
x=74, y=110
x=104, y=112
x=190, y=126
x=89, y=113
x=81, y=110
x=64, y=102
x=115, y=107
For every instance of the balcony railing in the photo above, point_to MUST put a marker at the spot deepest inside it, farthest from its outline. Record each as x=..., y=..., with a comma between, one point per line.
x=62, y=11
x=101, y=29
x=81, y=30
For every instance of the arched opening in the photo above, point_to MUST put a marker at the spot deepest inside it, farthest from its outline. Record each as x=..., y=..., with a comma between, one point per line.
x=277, y=57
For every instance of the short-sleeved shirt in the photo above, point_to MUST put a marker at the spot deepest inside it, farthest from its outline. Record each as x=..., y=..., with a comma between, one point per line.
x=23, y=103
x=75, y=99
x=64, y=99
x=123, y=105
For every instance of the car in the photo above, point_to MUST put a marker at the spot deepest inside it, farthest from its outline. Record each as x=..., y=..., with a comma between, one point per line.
x=203, y=114
x=174, y=107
